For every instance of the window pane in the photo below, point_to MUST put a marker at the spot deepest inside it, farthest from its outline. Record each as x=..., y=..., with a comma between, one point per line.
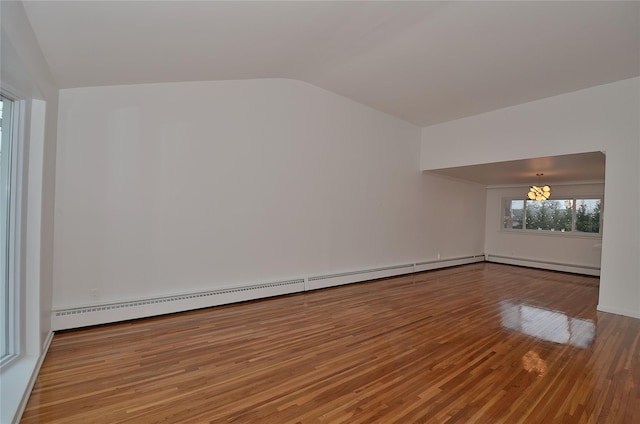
x=512, y=214
x=588, y=215
x=549, y=215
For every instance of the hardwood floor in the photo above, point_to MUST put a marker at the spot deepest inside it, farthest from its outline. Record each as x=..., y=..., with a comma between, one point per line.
x=482, y=343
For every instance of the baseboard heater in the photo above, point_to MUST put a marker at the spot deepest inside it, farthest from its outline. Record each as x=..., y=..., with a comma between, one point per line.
x=82, y=316
x=443, y=263
x=553, y=266
x=331, y=280
x=141, y=308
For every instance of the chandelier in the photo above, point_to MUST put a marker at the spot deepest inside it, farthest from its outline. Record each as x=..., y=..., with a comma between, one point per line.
x=537, y=192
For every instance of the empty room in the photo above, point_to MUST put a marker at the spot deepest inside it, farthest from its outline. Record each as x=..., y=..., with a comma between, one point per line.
x=320, y=211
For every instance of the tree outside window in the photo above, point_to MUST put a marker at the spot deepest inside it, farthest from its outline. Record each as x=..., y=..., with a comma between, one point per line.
x=563, y=215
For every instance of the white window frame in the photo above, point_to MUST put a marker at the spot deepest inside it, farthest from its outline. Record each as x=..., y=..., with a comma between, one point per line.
x=18, y=373
x=572, y=233
x=14, y=292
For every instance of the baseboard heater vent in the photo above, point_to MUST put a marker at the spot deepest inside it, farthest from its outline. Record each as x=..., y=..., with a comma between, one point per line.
x=449, y=262
x=479, y=258
x=122, y=311
x=155, y=300
x=367, y=271
x=331, y=280
x=549, y=265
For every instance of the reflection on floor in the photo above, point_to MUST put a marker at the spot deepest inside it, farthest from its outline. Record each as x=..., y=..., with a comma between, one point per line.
x=547, y=325
x=533, y=363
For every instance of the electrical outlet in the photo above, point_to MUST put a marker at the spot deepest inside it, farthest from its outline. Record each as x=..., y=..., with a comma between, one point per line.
x=438, y=255
x=94, y=293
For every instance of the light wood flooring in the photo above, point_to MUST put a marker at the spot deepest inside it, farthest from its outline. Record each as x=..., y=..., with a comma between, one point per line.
x=481, y=343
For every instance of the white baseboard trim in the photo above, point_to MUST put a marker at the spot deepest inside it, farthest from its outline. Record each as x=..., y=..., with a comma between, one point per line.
x=553, y=266
x=618, y=311
x=65, y=318
x=445, y=263
x=331, y=280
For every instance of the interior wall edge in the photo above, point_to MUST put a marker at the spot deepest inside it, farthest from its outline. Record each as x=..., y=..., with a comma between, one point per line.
x=618, y=311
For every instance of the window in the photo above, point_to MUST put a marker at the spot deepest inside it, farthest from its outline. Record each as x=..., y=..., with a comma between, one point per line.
x=588, y=215
x=562, y=215
x=550, y=215
x=6, y=219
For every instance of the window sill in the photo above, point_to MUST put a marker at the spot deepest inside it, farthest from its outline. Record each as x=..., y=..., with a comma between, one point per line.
x=546, y=233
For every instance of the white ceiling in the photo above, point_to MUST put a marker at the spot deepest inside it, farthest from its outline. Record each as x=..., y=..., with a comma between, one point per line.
x=424, y=62
x=581, y=167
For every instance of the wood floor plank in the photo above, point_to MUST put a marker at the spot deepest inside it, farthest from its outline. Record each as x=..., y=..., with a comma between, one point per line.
x=481, y=343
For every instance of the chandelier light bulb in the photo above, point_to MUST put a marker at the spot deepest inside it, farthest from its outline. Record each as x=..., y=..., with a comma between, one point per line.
x=539, y=193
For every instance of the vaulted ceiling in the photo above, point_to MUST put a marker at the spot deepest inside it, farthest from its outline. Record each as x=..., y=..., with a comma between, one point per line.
x=424, y=62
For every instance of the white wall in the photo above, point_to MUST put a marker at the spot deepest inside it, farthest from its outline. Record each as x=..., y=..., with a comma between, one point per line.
x=572, y=251
x=25, y=76
x=602, y=118
x=171, y=188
